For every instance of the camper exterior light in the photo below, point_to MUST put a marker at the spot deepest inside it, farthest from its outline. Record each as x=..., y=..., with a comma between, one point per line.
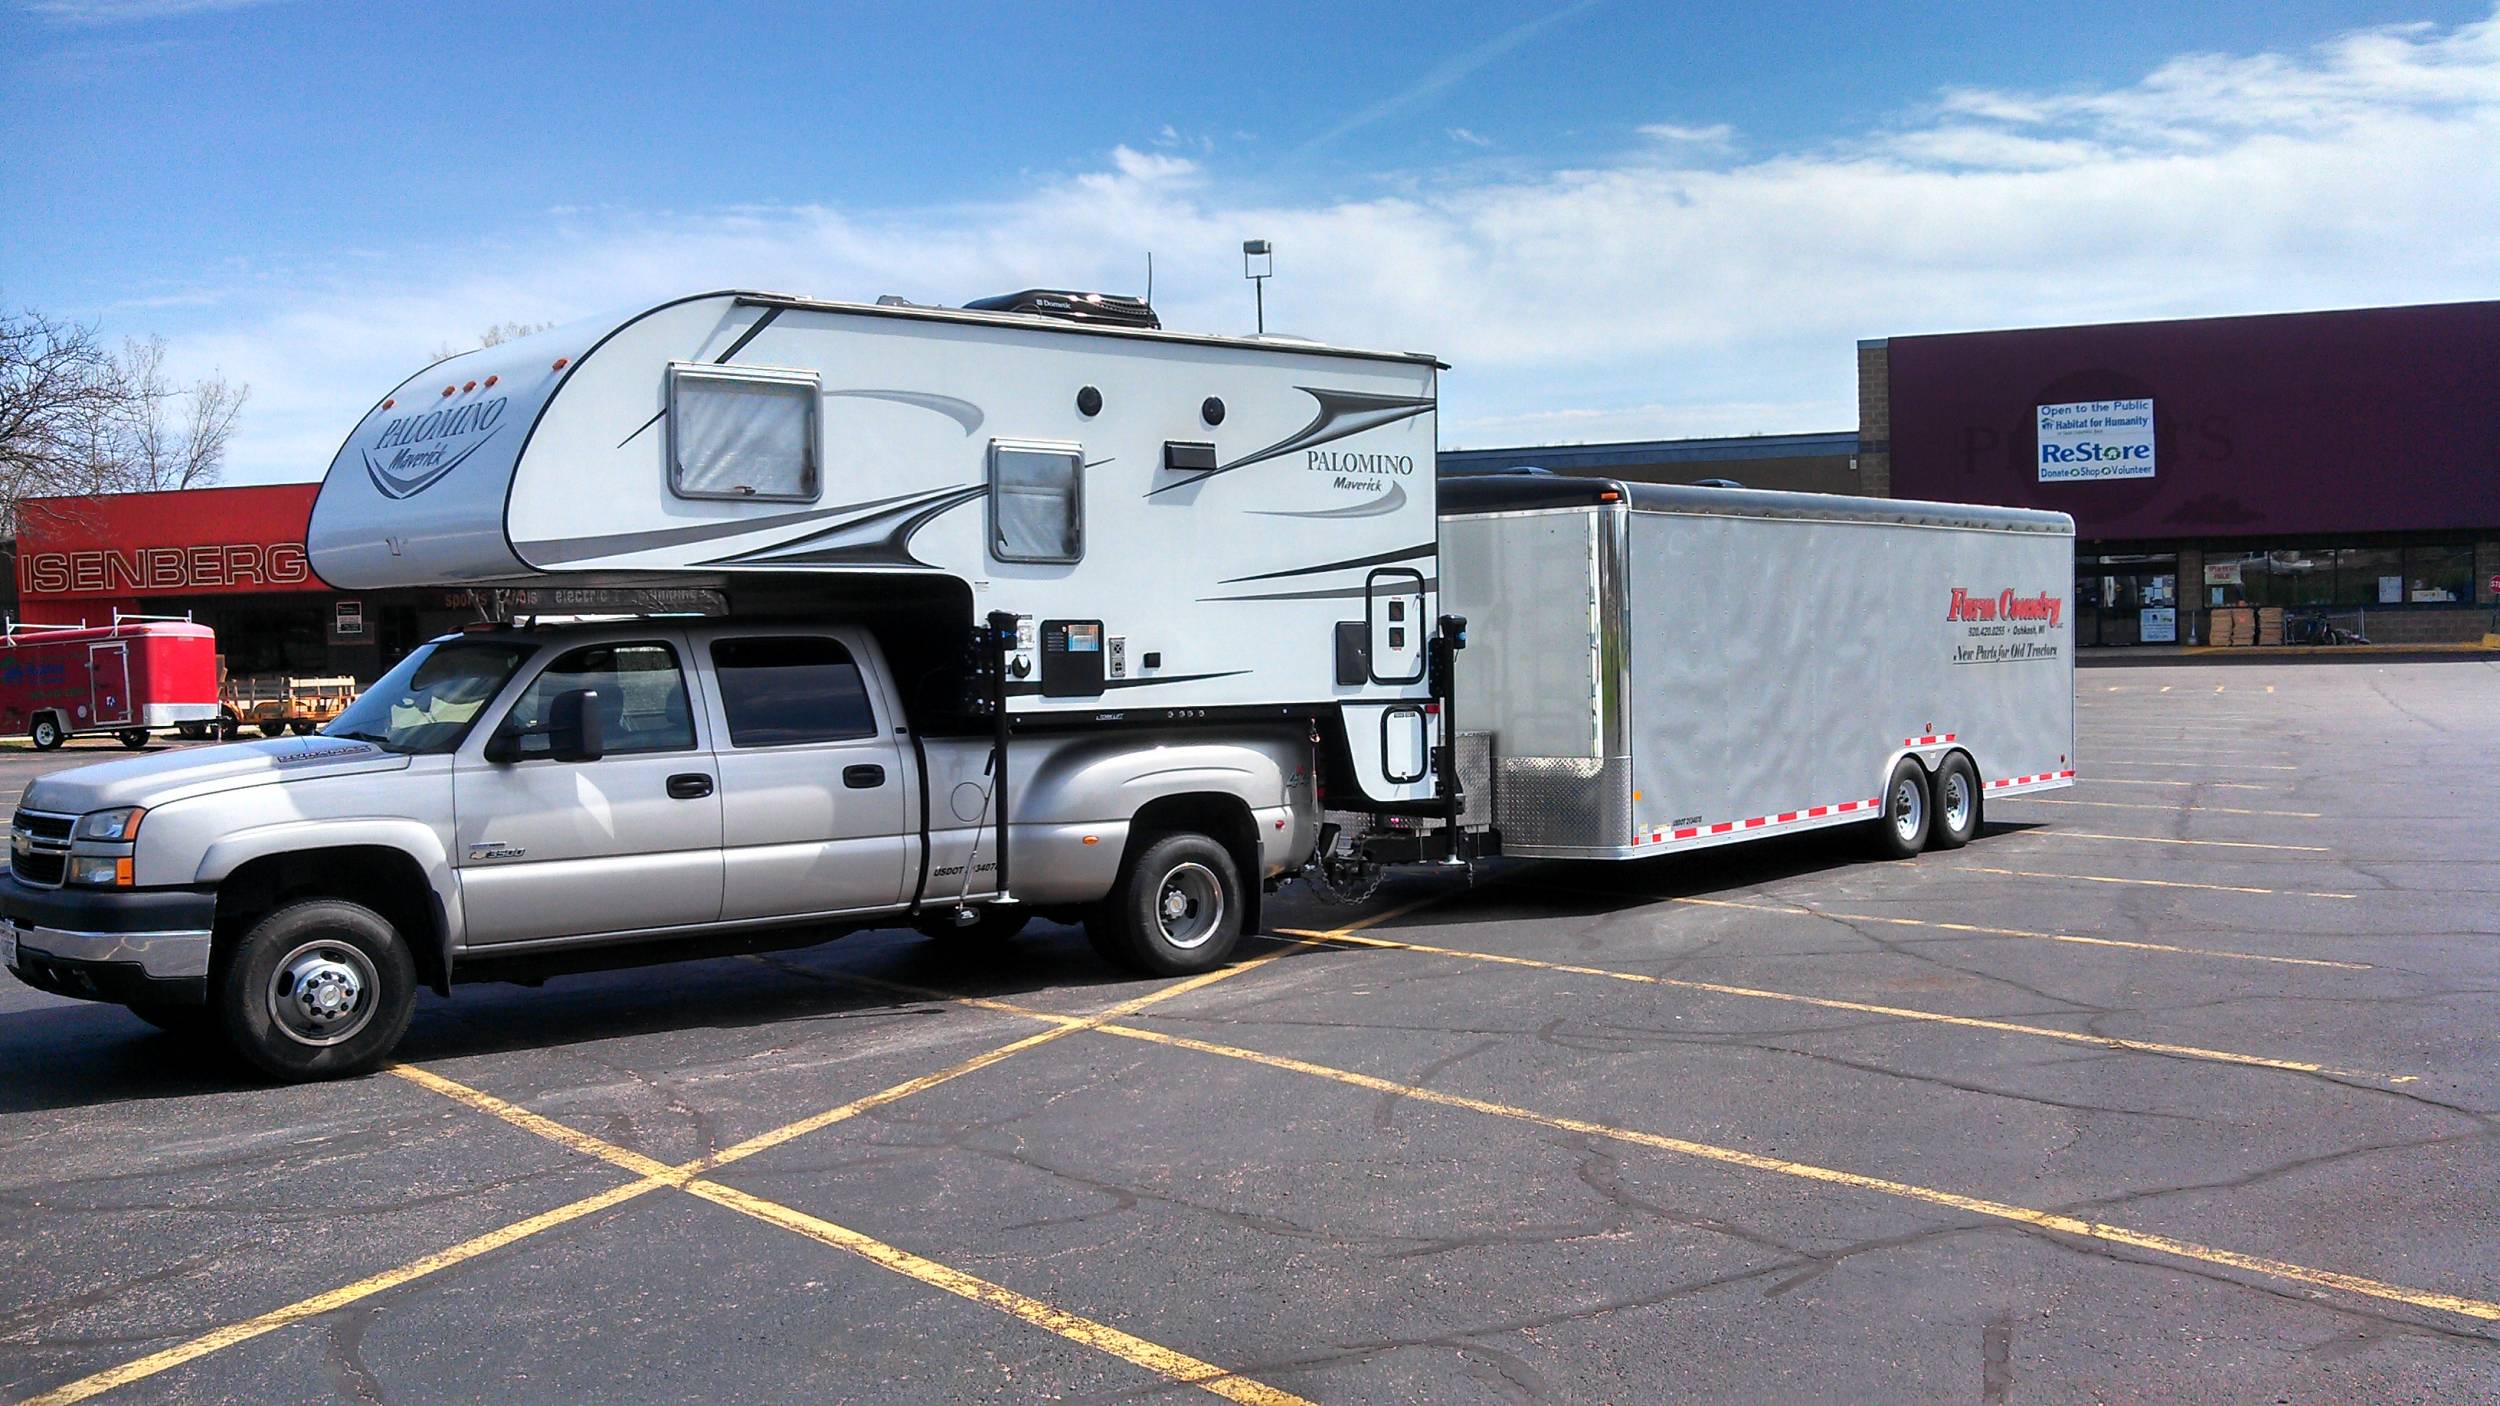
x=561, y=363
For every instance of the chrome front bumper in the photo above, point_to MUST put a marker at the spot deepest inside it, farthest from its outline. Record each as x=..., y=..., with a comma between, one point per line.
x=108, y=944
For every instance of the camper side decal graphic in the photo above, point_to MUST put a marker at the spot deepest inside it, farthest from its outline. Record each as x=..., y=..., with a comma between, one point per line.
x=1341, y=413
x=879, y=538
x=425, y=448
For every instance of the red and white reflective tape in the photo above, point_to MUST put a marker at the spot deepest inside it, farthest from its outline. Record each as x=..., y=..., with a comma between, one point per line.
x=1936, y=741
x=1758, y=822
x=2068, y=775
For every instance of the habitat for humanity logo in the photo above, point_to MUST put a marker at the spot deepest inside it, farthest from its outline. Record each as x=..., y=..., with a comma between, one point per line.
x=414, y=452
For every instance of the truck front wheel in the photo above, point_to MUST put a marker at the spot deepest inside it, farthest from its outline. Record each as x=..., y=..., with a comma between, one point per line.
x=320, y=989
x=1178, y=907
x=1908, y=811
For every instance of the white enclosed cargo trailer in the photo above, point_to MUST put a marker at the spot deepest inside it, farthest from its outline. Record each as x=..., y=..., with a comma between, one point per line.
x=1653, y=669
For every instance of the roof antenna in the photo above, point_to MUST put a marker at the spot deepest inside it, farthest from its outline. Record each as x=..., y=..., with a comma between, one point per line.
x=1150, y=277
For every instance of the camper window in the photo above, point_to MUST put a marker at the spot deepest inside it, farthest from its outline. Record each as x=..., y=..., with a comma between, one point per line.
x=738, y=432
x=1037, y=502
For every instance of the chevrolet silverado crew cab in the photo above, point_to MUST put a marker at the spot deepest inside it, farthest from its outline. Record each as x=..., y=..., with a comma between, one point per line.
x=507, y=797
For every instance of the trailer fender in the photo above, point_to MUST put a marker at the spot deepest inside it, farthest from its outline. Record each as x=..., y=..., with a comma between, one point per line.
x=418, y=842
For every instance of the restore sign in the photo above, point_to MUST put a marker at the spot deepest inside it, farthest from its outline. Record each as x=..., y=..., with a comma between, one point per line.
x=2096, y=439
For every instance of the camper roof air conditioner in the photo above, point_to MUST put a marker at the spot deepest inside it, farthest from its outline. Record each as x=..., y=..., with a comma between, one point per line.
x=1102, y=309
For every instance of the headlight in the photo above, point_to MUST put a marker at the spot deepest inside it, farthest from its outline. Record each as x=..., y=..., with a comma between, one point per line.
x=104, y=871
x=122, y=824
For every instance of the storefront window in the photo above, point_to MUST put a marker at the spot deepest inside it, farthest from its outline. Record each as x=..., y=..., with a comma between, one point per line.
x=2439, y=574
x=2343, y=577
x=2370, y=576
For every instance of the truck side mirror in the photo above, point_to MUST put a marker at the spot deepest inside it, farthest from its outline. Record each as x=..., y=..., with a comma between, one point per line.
x=575, y=731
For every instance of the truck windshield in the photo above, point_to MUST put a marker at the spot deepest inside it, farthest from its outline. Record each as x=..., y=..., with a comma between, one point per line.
x=428, y=702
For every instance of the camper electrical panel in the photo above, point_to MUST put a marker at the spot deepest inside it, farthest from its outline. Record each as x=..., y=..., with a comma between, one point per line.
x=1071, y=658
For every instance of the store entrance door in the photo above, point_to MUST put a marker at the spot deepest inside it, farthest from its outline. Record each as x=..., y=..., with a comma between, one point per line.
x=2126, y=600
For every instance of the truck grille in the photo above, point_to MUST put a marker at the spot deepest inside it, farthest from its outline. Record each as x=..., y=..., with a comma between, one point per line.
x=39, y=847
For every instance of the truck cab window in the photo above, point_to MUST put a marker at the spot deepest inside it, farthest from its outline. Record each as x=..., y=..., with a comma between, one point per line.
x=783, y=689
x=643, y=704
x=742, y=434
x=1037, y=503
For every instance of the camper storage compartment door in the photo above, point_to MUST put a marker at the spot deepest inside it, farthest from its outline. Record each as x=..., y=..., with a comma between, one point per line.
x=742, y=433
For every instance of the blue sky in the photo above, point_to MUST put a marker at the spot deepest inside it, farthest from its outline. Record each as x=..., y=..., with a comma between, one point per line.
x=1615, y=219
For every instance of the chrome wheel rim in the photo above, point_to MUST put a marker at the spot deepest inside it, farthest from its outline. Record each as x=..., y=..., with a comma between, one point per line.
x=1957, y=797
x=322, y=993
x=1909, y=809
x=1189, y=906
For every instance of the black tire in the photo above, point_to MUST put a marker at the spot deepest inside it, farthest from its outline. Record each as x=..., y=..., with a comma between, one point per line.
x=1102, y=933
x=133, y=738
x=1908, y=811
x=1177, y=908
x=192, y=731
x=992, y=927
x=273, y=728
x=1956, y=791
x=267, y=1002
x=229, y=725
x=47, y=733
x=303, y=727
x=186, y=1021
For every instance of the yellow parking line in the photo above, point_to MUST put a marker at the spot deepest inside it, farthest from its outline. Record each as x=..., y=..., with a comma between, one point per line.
x=2102, y=1231
x=2140, y=781
x=218, y=1339
x=2138, y=945
x=1175, y=1365
x=2145, y=805
x=2164, y=840
x=2235, y=766
x=2147, y=883
x=1102, y=1337
x=1967, y=1022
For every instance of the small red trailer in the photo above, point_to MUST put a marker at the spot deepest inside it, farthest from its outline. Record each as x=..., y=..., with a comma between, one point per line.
x=126, y=678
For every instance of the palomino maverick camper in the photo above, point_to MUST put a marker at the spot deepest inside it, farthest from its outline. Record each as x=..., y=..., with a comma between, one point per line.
x=1181, y=525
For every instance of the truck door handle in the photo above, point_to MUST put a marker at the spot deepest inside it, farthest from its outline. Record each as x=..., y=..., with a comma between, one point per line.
x=863, y=778
x=689, y=786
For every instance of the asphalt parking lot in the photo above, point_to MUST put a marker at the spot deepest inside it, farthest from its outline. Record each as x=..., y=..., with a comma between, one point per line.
x=2175, y=1086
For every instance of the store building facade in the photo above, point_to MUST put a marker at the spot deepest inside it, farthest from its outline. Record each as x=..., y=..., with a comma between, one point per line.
x=2343, y=465
x=232, y=559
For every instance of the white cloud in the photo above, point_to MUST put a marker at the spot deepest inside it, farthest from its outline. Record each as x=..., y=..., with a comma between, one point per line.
x=1461, y=134
x=97, y=13
x=1665, y=290
x=1716, y=134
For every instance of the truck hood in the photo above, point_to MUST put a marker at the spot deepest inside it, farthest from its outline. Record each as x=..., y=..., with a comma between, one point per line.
x=158, y=778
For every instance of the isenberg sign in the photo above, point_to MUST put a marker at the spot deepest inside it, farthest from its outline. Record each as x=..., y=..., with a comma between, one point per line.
x=226, y=566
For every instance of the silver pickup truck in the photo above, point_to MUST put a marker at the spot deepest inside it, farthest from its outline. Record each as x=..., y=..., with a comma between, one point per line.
x=504, y=799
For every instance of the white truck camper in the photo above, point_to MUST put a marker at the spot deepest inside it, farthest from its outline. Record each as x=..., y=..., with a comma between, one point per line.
x=1027, y=608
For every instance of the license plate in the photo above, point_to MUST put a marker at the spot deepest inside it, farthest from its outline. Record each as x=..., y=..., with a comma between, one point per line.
x=8, y=944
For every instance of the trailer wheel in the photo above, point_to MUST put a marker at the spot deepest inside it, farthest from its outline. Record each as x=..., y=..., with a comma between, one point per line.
x=46, y=734
x=228, y=726
x=194, y=732
x=303, y=727
x=320, y=989
x=273, y=728
x=1902, y=833
x=1178, y=907
x=1957, y=803
x=133, y=738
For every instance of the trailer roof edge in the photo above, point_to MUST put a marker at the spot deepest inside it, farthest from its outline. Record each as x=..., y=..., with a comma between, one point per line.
x=1049, y=324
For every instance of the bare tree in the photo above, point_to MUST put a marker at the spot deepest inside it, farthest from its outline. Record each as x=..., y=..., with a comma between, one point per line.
x=77, y=419
x=162, y=437
x=494, y=336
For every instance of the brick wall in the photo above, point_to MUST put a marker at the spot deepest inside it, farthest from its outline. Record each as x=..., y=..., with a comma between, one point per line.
x=1874, y=419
